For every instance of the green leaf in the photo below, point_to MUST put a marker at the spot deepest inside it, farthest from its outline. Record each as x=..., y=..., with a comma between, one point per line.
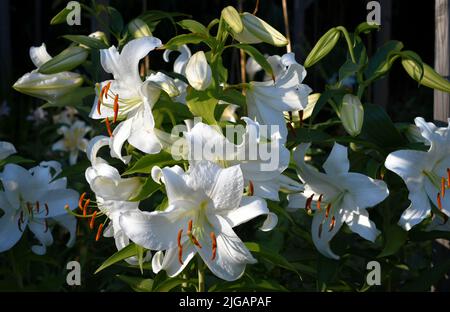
x=180, y=40
x=169, y=284
x=127, y=252
x=231, y=96
x=65, y=61
x=116, y=23
x=202, y=104
x=270, y=256
x=257, y=56
x=325, y=44
x=306, y=135
x=90, y=42
x=146, y=163
x=379, y=128
x=428, y=278
x=381, y=61
x=348, y=69
x=147, y=189
x=61, y=17
x=394, y=238
x=193, y=26
x=15, y=159
x=138, y=284
x=416, y=235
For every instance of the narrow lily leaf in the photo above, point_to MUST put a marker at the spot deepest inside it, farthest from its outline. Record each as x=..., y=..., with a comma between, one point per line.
x=65, y=61
x=394, y=237
x=257, y=56
x=146, y=163
x=180, y=40
x=169, y=284
x=270, y=256
x=87, y=41
x=193, y=26
x=138, y=284
x=127, y=252
x=61, y=17
x=381, y=61
x=325, y=44
x=147, y=190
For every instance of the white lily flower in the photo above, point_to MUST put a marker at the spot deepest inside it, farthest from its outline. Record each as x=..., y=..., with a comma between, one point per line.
x=30, y=199
x=73, y=140
x=38, y=116
x=338, y=196
x=198, y=71
x=46, y=87
x=67, y=116
x=261, y=162
x=112, y=193
x=426, y=174
x=6, y=149
x=179, y=67
x=204, y=206
x=267, y=100
x=128, y=98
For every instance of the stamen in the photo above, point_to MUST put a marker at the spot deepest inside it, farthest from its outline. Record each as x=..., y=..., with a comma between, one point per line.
x=189, y=231
x=108, y=127
x=180, y=247
x=332, y=224
x=319, y=201
x=107, y=89
x=116, y=107
x=320, y=229
x=99, y=231
x=91, y=223
x=214, y=245
x=448, y=177
x=37, y=206
x=99, y=103
x=251, y=189
x=308, y=204
x=21, y=216
x=46, y=209
x=439, y=203
x=80, y=201
x=46, y=226
x=19, y=224
x=29, y=208
x=291, y=129
x=87, y=202
x=443, y=186
x=300, y=116
x=290, y=115
x=327, y=211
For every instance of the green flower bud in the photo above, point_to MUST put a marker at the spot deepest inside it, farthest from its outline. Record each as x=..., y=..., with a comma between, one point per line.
x=430, y=77
x=65, y=61
x=233, y=19
x=138, y=29
x=352, y=114
x=325, y=44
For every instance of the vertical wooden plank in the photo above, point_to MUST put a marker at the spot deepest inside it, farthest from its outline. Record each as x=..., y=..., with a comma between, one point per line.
x=441, y=247
x=381, y=87
x=441, y=58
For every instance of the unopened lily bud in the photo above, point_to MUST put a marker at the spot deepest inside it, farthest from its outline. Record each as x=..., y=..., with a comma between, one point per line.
x=256, y=30
x=352, y=114
x=233, y=19
x=198, y=71
x=48, y=87
x=64, y=61
x=138, y=28
x=430, y=77
x=325, y=44
x=100, y=35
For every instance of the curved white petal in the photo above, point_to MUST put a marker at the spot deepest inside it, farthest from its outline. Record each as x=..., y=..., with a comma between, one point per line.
x=361, y=224
x=174, y=180
x=39, y=55
x=337, y=162
x=321, y=233
x=365, y=192
x=10, y=233
x=417, y=211
x=6, y=149
x=43, y=235
x=120, y=134
x=198, y=71
x=56, y=201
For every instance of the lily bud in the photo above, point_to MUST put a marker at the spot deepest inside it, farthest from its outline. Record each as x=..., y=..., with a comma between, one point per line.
x=430, y=77
x=325, y=44
x=138, y=29
x=198, y=71
x=48, y=87
x=64, y=61
x=256, y=30
x=100, y=35
x=352, y=114
x=233, y=19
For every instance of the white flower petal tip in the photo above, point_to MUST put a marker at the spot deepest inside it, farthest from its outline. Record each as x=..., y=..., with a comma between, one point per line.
x=198, y=71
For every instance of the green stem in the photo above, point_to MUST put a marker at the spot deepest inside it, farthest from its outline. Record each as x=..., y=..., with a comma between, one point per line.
x=349, y=42
x=201, y=275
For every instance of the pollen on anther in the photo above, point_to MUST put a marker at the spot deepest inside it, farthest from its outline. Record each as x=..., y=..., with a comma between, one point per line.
x=439, y=202
x=108, y=127
x=116, y=107
x=37, y=206
x=180, y=247
x=332, y=224
x=327, y=211
x=443, y=186
x=214, y=245
x=80, y=201
x=91, y=223
x=319, y=202
x=99, y=231
x=86, y=204
x=251, y=189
